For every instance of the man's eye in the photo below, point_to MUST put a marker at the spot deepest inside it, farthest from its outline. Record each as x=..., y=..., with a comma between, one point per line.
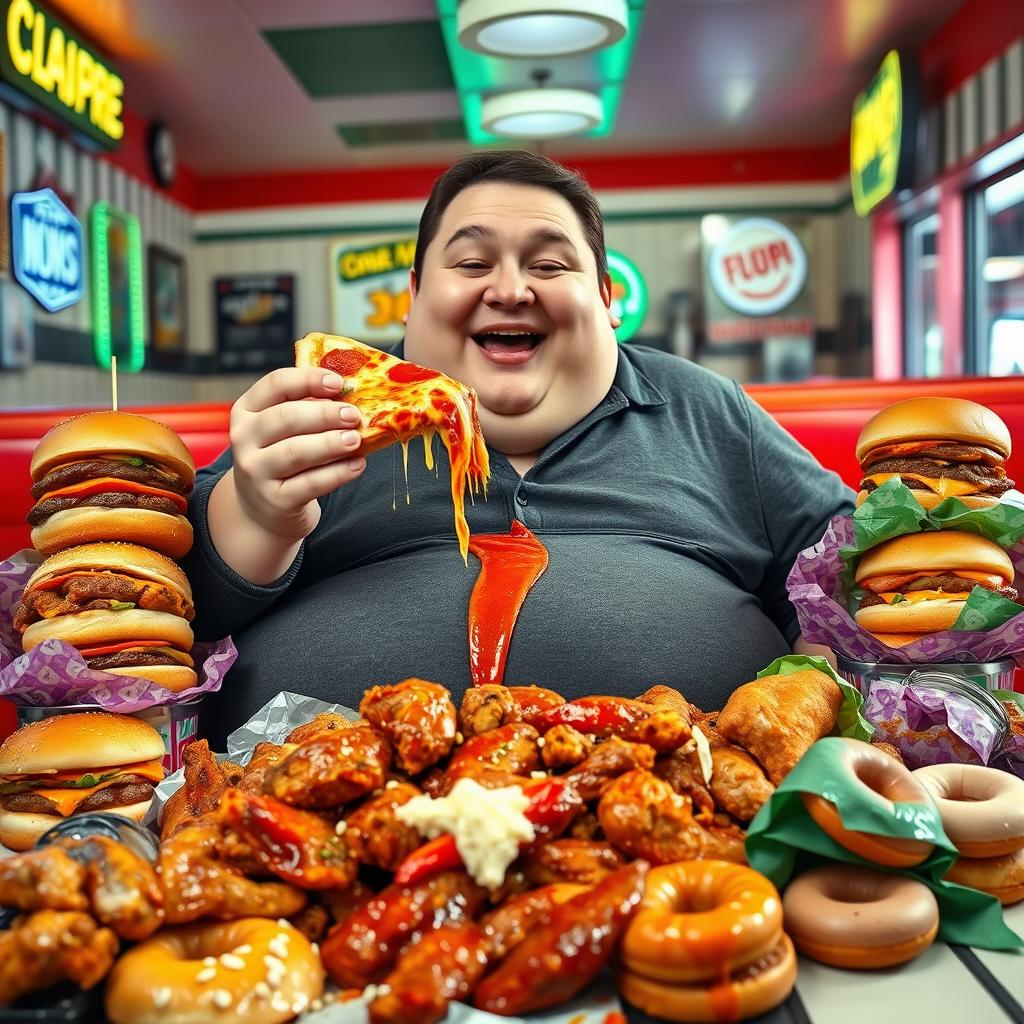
x=548, y=267
x=472, y=265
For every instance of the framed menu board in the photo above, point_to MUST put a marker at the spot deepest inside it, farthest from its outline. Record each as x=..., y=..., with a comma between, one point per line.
x=255, y=321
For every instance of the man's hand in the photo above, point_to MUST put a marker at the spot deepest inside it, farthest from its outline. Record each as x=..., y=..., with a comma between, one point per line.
x=292, y=442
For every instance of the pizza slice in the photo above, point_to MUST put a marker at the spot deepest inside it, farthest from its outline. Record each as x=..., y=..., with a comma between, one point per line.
x=400, y=400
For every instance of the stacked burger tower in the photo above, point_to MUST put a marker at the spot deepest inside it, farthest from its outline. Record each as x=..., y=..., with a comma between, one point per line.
x=111, y=494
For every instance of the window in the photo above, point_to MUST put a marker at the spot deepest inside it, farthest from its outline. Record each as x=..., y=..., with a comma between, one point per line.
x=923, y=343
x=998, y=269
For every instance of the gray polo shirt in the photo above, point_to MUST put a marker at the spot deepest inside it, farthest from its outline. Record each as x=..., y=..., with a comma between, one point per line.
x=671, y=513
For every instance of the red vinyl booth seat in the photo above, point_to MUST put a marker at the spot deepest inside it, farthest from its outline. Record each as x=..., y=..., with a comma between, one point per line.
x=825, y=417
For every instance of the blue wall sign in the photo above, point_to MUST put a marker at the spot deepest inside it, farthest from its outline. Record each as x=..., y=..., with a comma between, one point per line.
x=48, y=252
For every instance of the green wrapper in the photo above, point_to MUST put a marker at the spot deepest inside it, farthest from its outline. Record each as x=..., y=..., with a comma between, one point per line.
x=892, y=511
x=783, y=839
x=850, y=721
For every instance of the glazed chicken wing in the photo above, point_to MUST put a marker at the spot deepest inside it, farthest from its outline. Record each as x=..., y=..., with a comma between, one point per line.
x=326, y=721
x=365, y=945
x=578, y=861
x=196, y=882
x=565, y=747
x=264, y=755
x=442, y=966
x=417, y=717
x=373, y=832
x=510, y=748
x=46, y=878
x=666, y=697
x=610, y=759
x=298, y=846
x=643, y=816
x=682, y=771
x=562, y=956
x=778, y=718
x=508, y=924
x=331, y=769
x=201, y=791
x=487, y=707
x=50, y=946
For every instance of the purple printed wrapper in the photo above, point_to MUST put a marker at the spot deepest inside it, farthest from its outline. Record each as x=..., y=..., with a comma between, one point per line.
x=817, y=594
x=929, y=726
x=54, y=673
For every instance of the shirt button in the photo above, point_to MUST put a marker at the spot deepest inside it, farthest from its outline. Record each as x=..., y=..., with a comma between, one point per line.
x=521, y=498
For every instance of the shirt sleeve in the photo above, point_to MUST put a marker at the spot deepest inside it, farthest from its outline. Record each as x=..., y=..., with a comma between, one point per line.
x=797, y=497
x=225, y=602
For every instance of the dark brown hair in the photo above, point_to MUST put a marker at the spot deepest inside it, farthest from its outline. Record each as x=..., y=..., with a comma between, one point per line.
x=517, y=167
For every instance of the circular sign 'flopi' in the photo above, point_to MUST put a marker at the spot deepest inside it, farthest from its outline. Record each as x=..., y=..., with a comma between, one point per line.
x=759, y=267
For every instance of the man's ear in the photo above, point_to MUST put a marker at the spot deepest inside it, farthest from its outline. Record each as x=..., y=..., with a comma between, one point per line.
x=606, y=298
x=413, y=284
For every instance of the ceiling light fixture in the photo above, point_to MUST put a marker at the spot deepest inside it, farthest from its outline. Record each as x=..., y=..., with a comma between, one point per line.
x=542, y=113
x=541, y=28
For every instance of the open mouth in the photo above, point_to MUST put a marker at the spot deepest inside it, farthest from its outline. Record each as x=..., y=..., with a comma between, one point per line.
x=508, y=342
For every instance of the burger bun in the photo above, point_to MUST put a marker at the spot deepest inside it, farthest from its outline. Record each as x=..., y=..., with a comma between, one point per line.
x=935, y=551
x=907, y=617
x=171, y=535
x=171, y=677
x=20, y=830
x=102, y=626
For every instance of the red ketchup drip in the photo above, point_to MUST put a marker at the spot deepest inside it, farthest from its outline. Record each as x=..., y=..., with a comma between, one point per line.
x=509, y=565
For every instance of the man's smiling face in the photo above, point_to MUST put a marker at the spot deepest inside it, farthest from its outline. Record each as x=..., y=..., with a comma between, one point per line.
x=509, y=302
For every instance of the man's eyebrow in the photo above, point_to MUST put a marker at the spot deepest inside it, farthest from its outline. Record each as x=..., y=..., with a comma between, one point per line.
x=541, y=236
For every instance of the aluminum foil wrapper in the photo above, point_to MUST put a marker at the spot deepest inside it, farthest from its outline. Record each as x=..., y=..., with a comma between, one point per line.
x=272, y=723
x=54, y=673
x=817, y=594
x=930, y=726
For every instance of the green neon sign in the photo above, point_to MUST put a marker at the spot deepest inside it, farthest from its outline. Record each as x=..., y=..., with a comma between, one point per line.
x=117, y=303
x=629, y=294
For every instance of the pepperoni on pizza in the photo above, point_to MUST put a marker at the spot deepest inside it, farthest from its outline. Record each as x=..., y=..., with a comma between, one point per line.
x=400, y=400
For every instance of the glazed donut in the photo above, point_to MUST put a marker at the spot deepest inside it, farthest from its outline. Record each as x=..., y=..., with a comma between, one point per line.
x=881, y=781
x=982, y=808
x=1002, y=877
x=251, y=970
x=701, y=919
x=748, y=992
x=850, y=916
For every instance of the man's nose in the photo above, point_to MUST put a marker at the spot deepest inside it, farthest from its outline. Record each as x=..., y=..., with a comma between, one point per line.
x=508, y=287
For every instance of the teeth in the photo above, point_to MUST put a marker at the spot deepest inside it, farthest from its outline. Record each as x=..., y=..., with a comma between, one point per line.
x=511, y=334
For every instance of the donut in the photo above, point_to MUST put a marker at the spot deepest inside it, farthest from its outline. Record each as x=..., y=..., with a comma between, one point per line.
x=701, y=919
x=850, y=916
x=250, y=970
x=880, y=781
x=982, y=808
x=748, y=991
x=1002, y=877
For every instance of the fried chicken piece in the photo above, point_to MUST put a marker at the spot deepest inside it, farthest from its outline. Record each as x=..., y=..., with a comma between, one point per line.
x=611, y=758
x=331, y=769
x=562, y=956
x=122, y=887
x=508, y=924
x=738, y=783
x=487, y=707
x=579, y=861
x=50, y=946
x=196, y=882
x=298, y=846
x=232, y=772
x=373, y=832
x=510, y=748
x=534, y=699
x=264, y=755
x=201, y=792
x=725, y=840
x=778, y=718
x=363, y=948
x=43, y=879
x=586, y=826
x=326, y=721
x=643, y=816
x=565, y=747
x=418, y=718
x=442, y=966
x=343, y=902
x=671, y=700
x=682, y=771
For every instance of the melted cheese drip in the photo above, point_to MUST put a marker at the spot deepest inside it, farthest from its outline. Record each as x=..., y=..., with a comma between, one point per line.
x=407, y=409
x=942, y=486
x=67, y=800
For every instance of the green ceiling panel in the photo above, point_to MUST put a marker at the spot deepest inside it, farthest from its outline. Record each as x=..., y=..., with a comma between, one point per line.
x=391, y=132
x=365, y=60
x=478, y=76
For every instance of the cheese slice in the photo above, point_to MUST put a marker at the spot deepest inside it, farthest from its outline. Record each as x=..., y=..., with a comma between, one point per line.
x=68, y=800
x=923, y=595
x=942, y=486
